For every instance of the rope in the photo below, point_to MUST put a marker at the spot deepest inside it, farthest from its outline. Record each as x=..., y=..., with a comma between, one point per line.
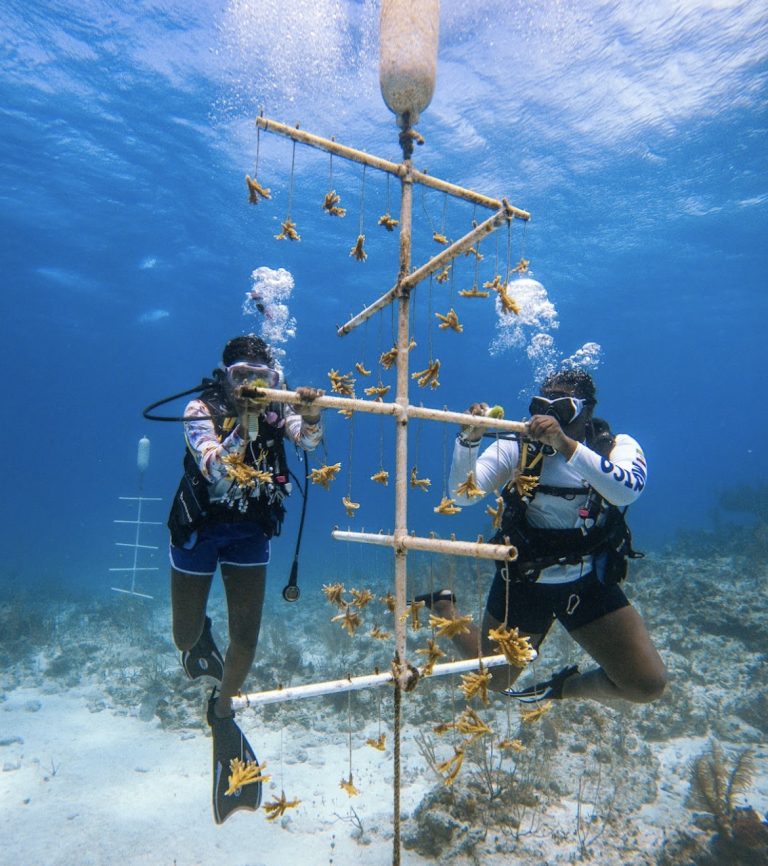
x=396, y=760
x=290, y=187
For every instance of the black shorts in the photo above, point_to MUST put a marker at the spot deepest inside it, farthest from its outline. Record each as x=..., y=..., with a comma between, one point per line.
x=533, y=607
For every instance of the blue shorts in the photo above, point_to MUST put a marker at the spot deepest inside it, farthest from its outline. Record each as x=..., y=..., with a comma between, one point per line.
x=241, y=544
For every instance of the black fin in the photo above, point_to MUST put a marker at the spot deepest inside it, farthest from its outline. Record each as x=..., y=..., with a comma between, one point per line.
x=229, y=742
x=204, y=659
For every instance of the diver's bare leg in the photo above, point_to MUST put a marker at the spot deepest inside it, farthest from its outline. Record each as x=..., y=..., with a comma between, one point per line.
x=630, y=667
x=244, y=586
x=189, y=598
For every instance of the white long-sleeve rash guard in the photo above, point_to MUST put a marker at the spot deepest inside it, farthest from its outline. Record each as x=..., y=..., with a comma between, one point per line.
x=619, y=479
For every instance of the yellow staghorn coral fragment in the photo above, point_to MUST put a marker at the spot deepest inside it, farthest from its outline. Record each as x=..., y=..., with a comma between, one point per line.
x=473, y=251
x=422, y=483
x=476, y=684
x=494, y=284
x=288, y=231
x=440, y=239
x=442, y=277
x=349, y=506
x=469, y=487
x=511, y=745
x=447, y=506
x=350, y=620
x=388, y=221
x=496, y=513
x=381, y=477
x=388, y=601
x=342, y=383
x=279, y=806
x=348, y=786
x=450, y=769
x=525, y=484
x=357, y=250
x=324, y=475
x=535, y=715
x=433, y=653
x=509, y=304
x=330, y=204
x=378, y=633
x=517, y=648
x=388, y=358
x=347, y=413
x=243, y=474
x=450, y=320
x=470, y=723
x=334, y=592
x=241, y=774
x=450, y=627
x=427, y=378
x=474, y=292
x=521, y=267
x=361, y=597
x=361, y=369
x=379, y=743
x=412, y=614
x=378, y=391
x=255, y=190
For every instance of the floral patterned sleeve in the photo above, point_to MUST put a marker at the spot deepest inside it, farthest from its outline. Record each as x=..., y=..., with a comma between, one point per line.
x=300, y=432
x=204, y=445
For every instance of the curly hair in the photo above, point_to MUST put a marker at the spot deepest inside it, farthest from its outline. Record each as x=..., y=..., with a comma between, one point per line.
x=575, y=379
x=246, y=348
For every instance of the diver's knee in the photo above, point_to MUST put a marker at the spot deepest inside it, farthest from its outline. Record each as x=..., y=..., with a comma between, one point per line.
x=648, y=689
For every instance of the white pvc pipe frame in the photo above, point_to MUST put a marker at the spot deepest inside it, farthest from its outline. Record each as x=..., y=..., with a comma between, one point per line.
x=407, y=279
x=354, y=684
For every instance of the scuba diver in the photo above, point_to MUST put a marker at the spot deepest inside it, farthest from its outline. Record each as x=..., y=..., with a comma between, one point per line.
x=565, y=489
x=229, y=504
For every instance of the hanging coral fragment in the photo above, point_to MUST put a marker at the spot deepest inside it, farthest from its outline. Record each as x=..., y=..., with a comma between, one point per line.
x=516, y=648
x=378, y=391
x=357, y=251
x=255, y=190
x=428, y=378
x=422, y=483
x=476, y=684
x=334, y=592
x=379, y=743
x=348, y=786
x=447, y=506
x=474, y=292
x=496, y=513
x=469, y=487
x=288, y=231
x=450, y=320
x=450, y=769
x=331, y=204
x=388, y=221
x=381, y=477
x=324, y=475
x=350, y=507
x=433, y=654
x=440, y=239
x=278, y=806
x=349, y=620
x=361, y=369
x=450, y=627
x=535, y=715
x=342, y=383
x=442, y=277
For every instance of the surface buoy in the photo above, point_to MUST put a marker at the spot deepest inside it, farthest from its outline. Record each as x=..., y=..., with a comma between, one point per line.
x=408, y=56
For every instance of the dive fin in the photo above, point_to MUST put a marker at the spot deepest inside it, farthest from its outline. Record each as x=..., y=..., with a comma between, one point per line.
x=229, y=742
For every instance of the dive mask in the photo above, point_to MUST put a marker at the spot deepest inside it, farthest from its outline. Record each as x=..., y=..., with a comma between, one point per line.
x=251, y=375
x=564, y=409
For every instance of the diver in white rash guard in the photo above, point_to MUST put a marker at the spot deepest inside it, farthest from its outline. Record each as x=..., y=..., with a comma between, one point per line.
x=566, y=518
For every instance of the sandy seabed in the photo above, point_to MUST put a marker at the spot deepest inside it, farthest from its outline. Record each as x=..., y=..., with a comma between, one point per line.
x=101, y=767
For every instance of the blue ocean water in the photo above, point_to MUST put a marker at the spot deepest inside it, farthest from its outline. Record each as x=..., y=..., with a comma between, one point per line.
x=635, y=137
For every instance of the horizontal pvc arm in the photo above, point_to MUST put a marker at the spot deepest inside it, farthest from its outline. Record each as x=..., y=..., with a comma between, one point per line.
x=353, y=684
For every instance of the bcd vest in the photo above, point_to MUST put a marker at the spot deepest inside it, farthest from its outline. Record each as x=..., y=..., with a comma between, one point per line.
x=260, y=502
x=610, y=542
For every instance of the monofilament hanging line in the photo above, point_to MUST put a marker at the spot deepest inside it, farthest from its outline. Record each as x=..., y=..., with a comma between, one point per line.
x=290, y=184
x=509, y=253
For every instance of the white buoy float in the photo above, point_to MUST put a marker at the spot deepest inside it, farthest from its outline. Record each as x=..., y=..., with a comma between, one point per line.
x=142, y=458
x=408, y=56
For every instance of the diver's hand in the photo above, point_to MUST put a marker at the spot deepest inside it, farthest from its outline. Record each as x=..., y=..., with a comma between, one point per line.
x=310, y=414
x=546, y=429
x=467, y=431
